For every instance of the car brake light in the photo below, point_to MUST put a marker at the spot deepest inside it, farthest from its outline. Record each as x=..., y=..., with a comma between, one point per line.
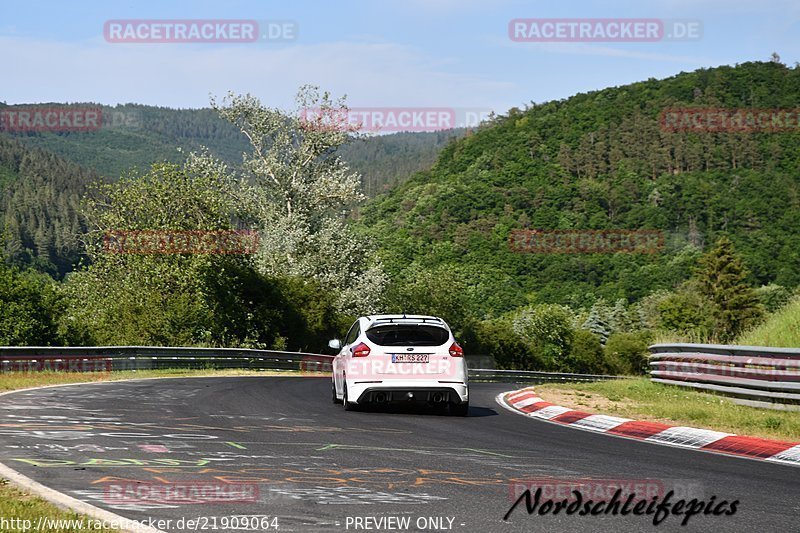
x=362, y=350
x=456, y=350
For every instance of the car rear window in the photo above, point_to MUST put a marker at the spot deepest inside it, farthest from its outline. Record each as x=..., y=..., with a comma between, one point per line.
x=398, y=335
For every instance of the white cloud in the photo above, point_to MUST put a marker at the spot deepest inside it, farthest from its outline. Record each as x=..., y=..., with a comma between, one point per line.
x=177, y=75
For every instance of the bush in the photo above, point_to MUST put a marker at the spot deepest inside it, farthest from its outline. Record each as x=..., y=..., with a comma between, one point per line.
x=307, y=316
x=497, y=339
x=224, y=303
x=441, y=291
x=30, y=308
x=254, y=311
x=626, y=353
x=548, y=329
x=773, y=297
x=687, y=313
x=586, y=354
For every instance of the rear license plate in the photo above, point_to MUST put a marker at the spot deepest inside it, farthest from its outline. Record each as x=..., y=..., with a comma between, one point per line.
x=410, y=357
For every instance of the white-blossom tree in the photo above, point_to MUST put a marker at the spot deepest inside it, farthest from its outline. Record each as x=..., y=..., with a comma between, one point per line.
x=301, y=192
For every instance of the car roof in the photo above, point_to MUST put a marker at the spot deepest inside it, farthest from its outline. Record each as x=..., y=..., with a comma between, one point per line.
x=406, y=319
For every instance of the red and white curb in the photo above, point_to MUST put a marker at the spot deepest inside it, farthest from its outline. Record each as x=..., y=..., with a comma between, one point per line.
x=526, y=402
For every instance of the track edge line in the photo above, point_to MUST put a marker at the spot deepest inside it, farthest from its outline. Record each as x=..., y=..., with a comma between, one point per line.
x=68, y=503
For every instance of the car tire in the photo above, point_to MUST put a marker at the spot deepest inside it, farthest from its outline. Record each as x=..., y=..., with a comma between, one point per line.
x=333, y=393
x=348, y=405
x=459, y=409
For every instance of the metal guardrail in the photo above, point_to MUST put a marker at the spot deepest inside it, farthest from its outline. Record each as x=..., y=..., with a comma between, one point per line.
x=492, y=375
x=758, y=376
x=116, y=358
x=113, y=358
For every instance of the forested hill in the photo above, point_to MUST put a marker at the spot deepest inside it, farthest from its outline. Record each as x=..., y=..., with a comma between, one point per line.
x=136, y=135
x=594, y=161
x=44, y=175
x=40, y=194
x=386, y=160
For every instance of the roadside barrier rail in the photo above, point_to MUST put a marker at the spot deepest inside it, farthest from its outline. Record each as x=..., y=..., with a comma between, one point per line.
x=117, y=358
x=113, y=358
x=758, y=376
x=517, y=376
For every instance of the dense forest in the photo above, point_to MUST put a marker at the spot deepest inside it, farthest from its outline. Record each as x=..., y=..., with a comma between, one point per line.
x=135, y=136
x=38, y=214
x=40, y=195
x=726, y=204
x=386, y=160
x=596, y=161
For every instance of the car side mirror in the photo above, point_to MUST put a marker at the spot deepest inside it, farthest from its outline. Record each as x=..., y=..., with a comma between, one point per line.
x=336, y=344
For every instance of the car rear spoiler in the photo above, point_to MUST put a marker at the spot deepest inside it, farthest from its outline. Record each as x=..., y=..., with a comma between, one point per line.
x=403, y=319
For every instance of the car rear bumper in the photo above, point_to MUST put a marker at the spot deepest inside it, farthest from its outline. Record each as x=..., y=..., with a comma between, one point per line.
x=428, y=391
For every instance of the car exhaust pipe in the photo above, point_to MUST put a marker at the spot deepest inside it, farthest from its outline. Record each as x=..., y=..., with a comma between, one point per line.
x=380, y=397
x=438, y=397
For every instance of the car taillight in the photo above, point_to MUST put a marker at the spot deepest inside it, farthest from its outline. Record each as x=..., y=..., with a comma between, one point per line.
x=362, y=350
x=456, y=350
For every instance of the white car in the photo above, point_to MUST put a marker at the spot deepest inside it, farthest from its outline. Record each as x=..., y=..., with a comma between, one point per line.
x=400, y=359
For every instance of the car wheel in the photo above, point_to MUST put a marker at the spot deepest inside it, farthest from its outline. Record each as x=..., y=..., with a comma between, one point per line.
x=333, y=393
x=459, y=409
x=348, y=406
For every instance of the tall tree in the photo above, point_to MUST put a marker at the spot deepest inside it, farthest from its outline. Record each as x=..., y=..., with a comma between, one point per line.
x=302, y=194
x=184, y=296
x=30, y=308
x=597, y=323
x=722, y=278
x=548, y=327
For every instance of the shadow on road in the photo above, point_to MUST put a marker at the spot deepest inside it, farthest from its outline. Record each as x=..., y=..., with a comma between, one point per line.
x=414, y=409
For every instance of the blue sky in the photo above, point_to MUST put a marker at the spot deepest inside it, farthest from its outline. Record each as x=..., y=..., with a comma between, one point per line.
x=436, y=53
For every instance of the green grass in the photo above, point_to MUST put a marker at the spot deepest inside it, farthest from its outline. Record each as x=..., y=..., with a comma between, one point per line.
x=641, y=399
x=672, y=337
x=15, y=503
x=781, y=329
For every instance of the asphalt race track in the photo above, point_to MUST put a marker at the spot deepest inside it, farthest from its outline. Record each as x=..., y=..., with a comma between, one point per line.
x=280, y=448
